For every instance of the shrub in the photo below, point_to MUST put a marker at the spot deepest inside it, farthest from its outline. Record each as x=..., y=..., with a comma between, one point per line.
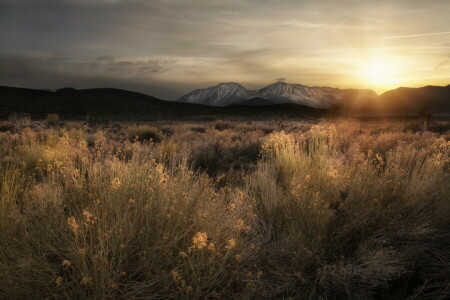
x=352, y=210
x=221, y=125
x=52, y=120
x=144, y=133
x=198, y=129
x=167, y=131
x=227, y=151
x=6, y=126
x=20, y=121
x=98, y=227
x=355, y=226
x=168, y=150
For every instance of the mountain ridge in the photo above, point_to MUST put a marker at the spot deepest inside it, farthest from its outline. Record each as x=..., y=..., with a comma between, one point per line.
x=73, y=103
x=222, y=94
x=118, y=104
x=432, y=99
x=228, y=93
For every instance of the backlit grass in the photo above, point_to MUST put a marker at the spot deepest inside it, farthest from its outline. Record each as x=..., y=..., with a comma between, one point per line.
x=343, y=210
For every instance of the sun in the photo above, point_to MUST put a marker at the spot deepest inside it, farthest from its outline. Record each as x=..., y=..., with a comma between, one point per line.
x=381, y=73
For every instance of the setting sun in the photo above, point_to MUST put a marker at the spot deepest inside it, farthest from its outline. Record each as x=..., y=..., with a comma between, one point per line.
x=381, y=74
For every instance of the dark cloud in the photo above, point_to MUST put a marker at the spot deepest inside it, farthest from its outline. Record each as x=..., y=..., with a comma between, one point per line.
x=105, y=71
x=200, y=42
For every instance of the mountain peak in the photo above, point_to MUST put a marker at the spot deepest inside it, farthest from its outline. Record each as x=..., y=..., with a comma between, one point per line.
x=231, y=83
x=222, y=94
x=279, y=83
x=227, y=93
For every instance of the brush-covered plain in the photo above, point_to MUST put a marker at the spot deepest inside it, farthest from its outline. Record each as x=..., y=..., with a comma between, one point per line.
x=231, y=210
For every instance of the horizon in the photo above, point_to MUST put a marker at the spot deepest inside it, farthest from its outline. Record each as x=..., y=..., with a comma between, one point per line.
x=167, y=48
x=202, y=88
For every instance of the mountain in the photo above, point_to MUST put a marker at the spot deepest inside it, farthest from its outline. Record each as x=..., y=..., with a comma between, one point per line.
x=434, y=99
x=280, y=92
x=256, y=102
x=280, y=99
x=223, y=94
x=117, y=104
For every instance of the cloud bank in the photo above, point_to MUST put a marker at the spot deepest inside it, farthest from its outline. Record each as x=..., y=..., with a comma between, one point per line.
x=168, y=47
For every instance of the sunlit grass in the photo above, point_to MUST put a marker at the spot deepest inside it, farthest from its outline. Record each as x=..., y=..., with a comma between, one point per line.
x=311, y=211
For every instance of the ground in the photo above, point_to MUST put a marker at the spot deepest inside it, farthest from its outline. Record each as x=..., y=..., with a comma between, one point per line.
x=320, y=208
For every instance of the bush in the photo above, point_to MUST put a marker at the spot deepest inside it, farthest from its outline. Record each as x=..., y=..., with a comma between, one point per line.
x=198, y=129
x=167, y=131
x=358, y=226
x=144, y=133
x=6, y=126
x=221, y=125
x=352, y=210
x=219, y=155
x=123, y=229
x=20, y=121
x=52, y=120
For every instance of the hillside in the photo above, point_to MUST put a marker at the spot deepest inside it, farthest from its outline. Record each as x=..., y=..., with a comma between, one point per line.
x=122, y=104
x=434, y=99
x=126, y=105
x=228, y=93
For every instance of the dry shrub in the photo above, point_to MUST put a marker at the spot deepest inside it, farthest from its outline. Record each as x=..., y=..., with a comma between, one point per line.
x=169, y=150
x=99, y=226
x=352, y=225
x=222, y=125
x=198, y=129
x=222, y=151
x=144, y=133
x=351, y=210
x=52, y=120
x=167, y=130
x=6, y=126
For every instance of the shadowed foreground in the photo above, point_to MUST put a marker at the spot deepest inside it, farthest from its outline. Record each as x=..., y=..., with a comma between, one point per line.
x=225, y=210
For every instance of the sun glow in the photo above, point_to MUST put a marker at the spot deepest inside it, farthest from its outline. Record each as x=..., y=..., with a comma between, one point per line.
x=381, y=74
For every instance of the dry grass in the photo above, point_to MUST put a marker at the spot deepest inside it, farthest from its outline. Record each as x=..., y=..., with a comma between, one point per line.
x=225, y=210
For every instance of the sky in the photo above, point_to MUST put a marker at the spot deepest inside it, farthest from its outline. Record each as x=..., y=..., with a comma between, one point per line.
x=167, y=48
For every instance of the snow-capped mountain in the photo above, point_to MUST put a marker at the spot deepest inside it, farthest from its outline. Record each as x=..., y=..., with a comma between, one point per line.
x=280, y=92
x=222, y=94
x=318, y=97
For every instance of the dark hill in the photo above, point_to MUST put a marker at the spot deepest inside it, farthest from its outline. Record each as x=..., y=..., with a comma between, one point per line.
x=435, y=100
x=123, y=105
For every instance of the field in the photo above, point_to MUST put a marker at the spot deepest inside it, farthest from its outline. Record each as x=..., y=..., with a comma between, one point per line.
x=316, y=209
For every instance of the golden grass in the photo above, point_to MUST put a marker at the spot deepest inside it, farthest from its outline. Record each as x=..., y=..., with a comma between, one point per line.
x=316, y=211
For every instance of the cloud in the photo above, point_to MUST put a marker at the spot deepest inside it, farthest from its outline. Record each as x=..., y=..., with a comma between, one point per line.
x=416, y=35
x=202, y=42
x=52, y=72
x=443, y=63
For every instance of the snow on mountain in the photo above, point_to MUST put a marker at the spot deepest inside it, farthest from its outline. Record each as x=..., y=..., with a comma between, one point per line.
x=317, y=97
x=222, y=94
x=280, y=92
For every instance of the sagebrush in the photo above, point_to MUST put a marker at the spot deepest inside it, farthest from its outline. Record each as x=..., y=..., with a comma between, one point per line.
x=225, y=209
